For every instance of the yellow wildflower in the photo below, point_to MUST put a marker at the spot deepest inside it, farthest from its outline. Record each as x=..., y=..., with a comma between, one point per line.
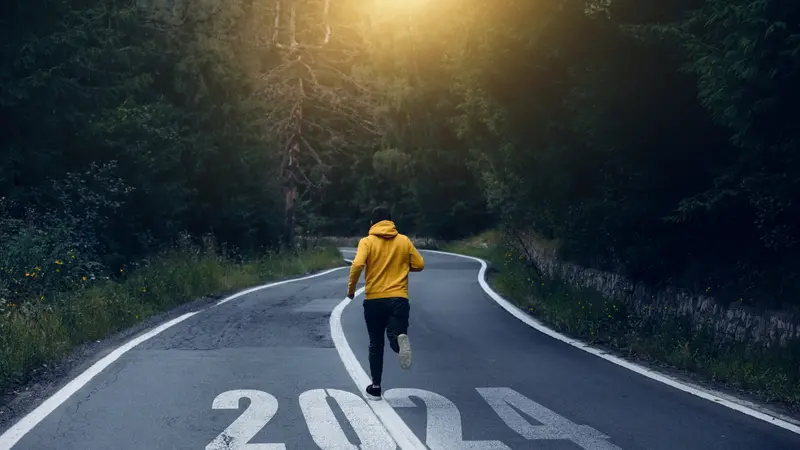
x=59, y=262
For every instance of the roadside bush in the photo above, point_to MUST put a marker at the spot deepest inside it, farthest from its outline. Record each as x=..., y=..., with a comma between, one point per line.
x=41, y=257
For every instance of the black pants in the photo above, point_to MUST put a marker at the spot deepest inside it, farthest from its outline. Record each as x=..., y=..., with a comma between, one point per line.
x=384, y=315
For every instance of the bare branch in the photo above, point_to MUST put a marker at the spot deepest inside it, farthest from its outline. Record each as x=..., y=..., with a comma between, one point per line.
x=310, y=71
x=277, y=23
x=313, y=152
x=276, y=71
x=326, y=22
x=292, y=24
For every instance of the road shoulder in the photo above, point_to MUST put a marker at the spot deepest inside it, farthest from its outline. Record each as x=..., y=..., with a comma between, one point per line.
x=21, y=399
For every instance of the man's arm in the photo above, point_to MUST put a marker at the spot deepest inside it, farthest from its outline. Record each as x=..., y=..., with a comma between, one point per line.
x=358, y=265
x=415, y=262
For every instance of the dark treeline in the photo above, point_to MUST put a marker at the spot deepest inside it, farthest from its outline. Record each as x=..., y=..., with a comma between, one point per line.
x=124, y=126
x=655, y=139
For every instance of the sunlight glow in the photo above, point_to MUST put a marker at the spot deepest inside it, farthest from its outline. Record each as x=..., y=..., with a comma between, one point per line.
x=399, y=6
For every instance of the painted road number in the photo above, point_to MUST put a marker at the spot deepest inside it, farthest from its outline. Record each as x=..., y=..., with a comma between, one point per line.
x=262, y=408
x=505, y=402
x=326, y=430
x=443, y=429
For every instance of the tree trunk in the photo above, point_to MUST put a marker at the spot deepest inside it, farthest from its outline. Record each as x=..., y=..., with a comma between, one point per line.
x=293, y=164
x=291, y=169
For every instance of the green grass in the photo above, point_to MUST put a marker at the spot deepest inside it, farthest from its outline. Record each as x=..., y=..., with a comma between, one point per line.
x=485, y=246
x=35, y=333
x=771, y=374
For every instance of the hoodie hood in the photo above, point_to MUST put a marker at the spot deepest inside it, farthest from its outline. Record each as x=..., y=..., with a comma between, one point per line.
x=384, y=229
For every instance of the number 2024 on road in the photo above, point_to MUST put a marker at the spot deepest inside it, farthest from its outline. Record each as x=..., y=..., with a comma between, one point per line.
x=443, y=428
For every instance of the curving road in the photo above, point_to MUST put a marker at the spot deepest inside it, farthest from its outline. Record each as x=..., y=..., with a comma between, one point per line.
x=276, y=368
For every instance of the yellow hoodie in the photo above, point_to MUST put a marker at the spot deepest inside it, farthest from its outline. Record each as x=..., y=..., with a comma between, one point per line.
x=389, y=256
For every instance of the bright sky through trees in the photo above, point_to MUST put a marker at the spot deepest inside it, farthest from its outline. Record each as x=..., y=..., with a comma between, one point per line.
x=399, y=6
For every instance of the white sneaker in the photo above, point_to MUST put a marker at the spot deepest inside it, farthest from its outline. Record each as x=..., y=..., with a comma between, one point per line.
x=373, y=393
x=405, y=351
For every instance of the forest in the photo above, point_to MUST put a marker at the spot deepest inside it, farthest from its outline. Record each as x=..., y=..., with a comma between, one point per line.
x=658, y=140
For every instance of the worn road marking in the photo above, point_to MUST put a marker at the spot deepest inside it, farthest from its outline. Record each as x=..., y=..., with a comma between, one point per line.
x=26, y=424
x=505, y=402
x=732, y=403
x=443, y=429
x=259, y=412
x=319, y=305
x=278, y=283
x=400, y=432
x=327, y=432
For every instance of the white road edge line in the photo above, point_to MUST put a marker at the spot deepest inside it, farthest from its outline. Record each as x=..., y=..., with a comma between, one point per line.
x=641, y=370
x=400, y=432
x=11, y=436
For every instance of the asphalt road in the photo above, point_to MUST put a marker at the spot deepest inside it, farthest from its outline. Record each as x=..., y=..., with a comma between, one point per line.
x=263, y=368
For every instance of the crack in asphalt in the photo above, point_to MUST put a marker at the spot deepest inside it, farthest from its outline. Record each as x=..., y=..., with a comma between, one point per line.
x=113, y=377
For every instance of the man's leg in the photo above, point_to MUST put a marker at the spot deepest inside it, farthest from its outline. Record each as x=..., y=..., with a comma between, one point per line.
x=377, y=317
x=397, y=330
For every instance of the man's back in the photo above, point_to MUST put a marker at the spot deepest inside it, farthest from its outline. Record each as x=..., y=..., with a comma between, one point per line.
x=388, y=256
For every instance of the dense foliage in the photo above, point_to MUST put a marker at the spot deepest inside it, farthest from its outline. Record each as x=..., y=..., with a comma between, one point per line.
x=657, y=139
x=123, y=130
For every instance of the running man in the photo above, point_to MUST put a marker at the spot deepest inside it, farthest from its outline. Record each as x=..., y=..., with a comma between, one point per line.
x=388, y=256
